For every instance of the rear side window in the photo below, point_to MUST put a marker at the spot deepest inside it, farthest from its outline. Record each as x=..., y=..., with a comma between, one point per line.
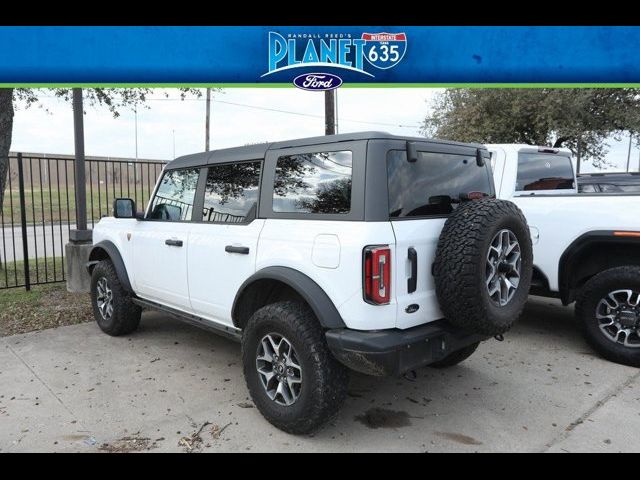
x=433, y=184
x=313, y=183
x=231, y=192
x=173, y=201
x=543, y=171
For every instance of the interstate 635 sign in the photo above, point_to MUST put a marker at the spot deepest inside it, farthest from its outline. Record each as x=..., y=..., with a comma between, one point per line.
x=384, y=50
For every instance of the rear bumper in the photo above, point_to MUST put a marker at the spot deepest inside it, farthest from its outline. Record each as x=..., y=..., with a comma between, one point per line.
x=394, y=352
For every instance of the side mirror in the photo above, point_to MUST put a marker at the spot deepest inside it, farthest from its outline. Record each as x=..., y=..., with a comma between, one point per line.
x=124, y=208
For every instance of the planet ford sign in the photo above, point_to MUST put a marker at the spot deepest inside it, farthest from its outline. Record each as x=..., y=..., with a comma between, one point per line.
x=362, y=54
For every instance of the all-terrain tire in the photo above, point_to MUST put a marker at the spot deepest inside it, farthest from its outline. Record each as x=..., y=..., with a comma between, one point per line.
x=596, y=289
x=324, y=380
x=125, y=315
x=454, y=358
x=460, y=267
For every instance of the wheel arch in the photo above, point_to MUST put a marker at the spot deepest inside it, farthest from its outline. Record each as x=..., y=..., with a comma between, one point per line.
x=107, y=250
x=592, y=253
x=277, y=283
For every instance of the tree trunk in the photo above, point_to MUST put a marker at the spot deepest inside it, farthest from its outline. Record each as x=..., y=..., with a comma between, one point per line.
x=6, y=127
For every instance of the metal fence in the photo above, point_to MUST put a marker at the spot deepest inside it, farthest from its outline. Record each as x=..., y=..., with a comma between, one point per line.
x=38, y=210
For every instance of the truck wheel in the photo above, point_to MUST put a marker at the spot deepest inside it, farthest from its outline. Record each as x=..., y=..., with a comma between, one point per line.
x=292, y=377
x=483, y=266
x=113, y=309
x=456, y=357
x=608, y=307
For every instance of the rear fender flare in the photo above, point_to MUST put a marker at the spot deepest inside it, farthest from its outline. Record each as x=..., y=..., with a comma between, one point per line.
x=309, y=290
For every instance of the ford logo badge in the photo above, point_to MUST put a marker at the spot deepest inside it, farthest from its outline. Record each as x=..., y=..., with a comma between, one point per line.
x=317, y=81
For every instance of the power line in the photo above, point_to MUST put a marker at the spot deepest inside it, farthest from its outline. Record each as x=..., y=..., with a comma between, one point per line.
x=289, y=112
x=275, y=110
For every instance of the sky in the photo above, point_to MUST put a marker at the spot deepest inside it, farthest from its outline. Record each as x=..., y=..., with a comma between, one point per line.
x=239, y=116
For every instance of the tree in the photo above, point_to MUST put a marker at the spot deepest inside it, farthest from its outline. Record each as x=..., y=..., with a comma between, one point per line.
x=577, y=118
x=331, y=197
x=114, y=99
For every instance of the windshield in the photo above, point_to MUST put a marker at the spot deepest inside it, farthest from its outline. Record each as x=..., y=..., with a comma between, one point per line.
x=544, y=171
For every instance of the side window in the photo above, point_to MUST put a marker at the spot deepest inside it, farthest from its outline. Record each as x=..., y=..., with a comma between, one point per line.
x=231, y=192
x=313, y=183
x=544, y=171
x=174, y=198
x=433, y=184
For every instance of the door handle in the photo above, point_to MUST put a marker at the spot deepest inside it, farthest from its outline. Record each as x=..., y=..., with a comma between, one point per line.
x=173, y=242
x=412, y=281
x=234, y=249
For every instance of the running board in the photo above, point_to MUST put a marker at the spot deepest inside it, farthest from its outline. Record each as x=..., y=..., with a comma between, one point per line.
x=224, y=330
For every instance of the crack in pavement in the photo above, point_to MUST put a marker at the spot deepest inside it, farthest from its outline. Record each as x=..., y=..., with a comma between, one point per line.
x=40, y=380
x=582, y=418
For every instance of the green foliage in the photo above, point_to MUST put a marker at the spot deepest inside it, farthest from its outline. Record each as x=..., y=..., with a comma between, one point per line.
x=545, y=116
x=331, y=197
x=114, y=99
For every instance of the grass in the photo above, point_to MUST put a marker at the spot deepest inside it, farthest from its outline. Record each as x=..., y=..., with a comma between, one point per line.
x=49, y=270
x=45, y=306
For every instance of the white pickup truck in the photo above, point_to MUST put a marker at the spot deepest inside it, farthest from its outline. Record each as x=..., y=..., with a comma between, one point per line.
x=586, y=246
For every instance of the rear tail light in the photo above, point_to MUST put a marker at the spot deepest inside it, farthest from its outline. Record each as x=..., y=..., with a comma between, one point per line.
x=377, y=274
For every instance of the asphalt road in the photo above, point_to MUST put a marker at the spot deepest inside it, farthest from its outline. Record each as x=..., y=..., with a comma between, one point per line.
x=542, y=389
x=48, y=239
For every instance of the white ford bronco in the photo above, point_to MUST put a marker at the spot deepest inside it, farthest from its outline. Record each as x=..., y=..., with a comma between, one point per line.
x=361, y=251
x=586, y=245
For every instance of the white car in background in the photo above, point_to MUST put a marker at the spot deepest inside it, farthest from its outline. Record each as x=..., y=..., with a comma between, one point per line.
x=586, y=246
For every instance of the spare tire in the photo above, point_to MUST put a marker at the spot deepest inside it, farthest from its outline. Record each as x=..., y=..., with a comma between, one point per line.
x=483, y=266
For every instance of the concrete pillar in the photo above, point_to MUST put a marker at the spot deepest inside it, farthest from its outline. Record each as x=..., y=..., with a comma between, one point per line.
x=77, y=256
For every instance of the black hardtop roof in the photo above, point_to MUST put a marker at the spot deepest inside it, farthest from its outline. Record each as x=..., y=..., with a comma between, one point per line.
x=252, y=152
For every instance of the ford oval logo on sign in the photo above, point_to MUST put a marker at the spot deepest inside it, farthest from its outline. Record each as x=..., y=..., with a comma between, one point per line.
x=317, y=81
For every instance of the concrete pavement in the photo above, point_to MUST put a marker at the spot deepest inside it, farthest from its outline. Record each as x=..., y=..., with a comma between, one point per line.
x=542, y=389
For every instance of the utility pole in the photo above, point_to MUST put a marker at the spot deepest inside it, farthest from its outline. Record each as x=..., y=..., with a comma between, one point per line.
x=80, y=239
x=329, y=112
x=80, y=186
x=578, y=157
x=629, y=153
x=206, y=123
x=336, y=109
x=135, y=111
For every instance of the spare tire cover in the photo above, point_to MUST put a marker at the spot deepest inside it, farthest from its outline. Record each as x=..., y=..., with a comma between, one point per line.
x=483, y=266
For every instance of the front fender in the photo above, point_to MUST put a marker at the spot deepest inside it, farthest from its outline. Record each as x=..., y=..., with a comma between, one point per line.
x=108, y=250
